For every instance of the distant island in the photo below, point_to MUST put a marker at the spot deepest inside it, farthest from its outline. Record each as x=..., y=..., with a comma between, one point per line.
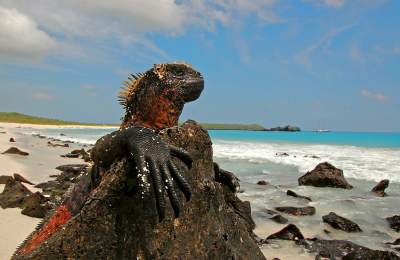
x=13, y=117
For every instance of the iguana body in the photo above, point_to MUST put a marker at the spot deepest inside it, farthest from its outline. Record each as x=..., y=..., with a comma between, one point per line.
x=153, y=101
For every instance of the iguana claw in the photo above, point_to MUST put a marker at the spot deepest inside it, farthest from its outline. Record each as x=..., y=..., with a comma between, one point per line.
x=152, y=158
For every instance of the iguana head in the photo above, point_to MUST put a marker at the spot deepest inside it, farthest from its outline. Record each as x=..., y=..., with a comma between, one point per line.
x=155, y=99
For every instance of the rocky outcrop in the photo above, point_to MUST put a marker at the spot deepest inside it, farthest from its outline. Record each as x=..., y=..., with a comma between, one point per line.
x=288, y=128
x=297, y=211
x=117, y=224
x=380, y=188
x=341, y=223
x=325, y=175
x=13, y=194
x=346, y=250
x=15, y=150
x=394, y=222
x=290, y=232
x=294, y=194
x=262, y=182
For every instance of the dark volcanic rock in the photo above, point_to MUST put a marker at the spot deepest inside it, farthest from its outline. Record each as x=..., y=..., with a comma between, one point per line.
x=380, y=188
x=346, y=250
x=294, y=194
x=290, y=232
x=74, y=168
x=15, y=150
x=20, y=178
x=32, y=206
x=13, y=194
x=12, y=140
x=312, y=156
x=282, y=154
x=5, y=178
x=114, y=224
x=275, y=216
x=287, y=128
x=262, y=182
x=70, y=155
x=341, y=223
x=295, y=211
x=227, y=178
x=325, y=175
x=394, y=222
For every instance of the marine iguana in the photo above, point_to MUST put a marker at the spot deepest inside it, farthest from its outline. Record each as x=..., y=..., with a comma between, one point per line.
x=153, y=101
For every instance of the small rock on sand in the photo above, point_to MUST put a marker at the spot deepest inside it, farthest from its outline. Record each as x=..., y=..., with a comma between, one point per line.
x=12, y=140
x=20, y=178
x=13, y=194
x=262, y=182
x=15, y=150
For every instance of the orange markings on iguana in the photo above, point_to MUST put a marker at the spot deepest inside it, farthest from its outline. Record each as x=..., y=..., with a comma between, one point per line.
x=59, y=218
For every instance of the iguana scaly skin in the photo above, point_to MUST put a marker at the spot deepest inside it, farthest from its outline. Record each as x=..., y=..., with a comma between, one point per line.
x=153, y=101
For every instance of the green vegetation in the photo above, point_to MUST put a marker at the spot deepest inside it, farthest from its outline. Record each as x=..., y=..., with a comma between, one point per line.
x=12, y=117
x=252, y=127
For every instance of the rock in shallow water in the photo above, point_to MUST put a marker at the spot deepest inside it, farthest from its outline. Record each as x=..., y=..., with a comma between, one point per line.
x=380, y=188
x=290, y=232
x=394, y=222
x=341, y=223
x=297, y=211
x=294, y=194
x=325, y=175
x=113, y=224
x=275, y=216
x=346, y=250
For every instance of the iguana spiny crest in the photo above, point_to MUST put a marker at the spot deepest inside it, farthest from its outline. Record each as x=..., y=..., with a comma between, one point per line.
x=155, y=99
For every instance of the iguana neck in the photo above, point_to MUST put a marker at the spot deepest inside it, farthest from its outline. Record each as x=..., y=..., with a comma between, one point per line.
x=156, y=115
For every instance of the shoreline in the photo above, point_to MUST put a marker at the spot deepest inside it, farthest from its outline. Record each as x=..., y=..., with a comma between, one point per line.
x=36, y=167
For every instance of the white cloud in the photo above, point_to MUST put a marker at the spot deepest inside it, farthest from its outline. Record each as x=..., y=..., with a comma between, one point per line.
x=374, y=95
x=42, y=96
x=304, y=57
x=20, y=37
x=63, y=24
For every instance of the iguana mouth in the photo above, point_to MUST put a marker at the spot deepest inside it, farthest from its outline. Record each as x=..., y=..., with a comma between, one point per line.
x=192, y=89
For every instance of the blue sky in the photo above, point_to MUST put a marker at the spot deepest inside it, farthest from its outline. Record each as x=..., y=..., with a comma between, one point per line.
x=314, y=63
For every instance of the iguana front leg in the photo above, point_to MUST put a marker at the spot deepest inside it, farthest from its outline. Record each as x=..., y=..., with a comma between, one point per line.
x=152, y=158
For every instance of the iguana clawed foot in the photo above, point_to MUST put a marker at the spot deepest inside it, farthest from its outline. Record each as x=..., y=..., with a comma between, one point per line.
x=152, y=158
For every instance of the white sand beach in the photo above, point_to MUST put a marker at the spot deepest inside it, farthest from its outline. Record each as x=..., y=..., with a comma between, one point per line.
x=36, y=167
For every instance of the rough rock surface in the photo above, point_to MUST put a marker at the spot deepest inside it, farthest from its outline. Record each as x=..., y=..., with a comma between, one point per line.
x=5, y=178
x=20, y=178
x=394, y=222
x=325, y=175
x=294, y=194
x=346, y=250
x=290, y=232
x=297, y=211
x=341, y=223
x=32, y=205
x=380, y=188
x=115, y=224
x=15, y=150
x=13, y=194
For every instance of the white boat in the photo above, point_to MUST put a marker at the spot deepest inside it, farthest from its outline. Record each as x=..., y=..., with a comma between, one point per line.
x=322, y=130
